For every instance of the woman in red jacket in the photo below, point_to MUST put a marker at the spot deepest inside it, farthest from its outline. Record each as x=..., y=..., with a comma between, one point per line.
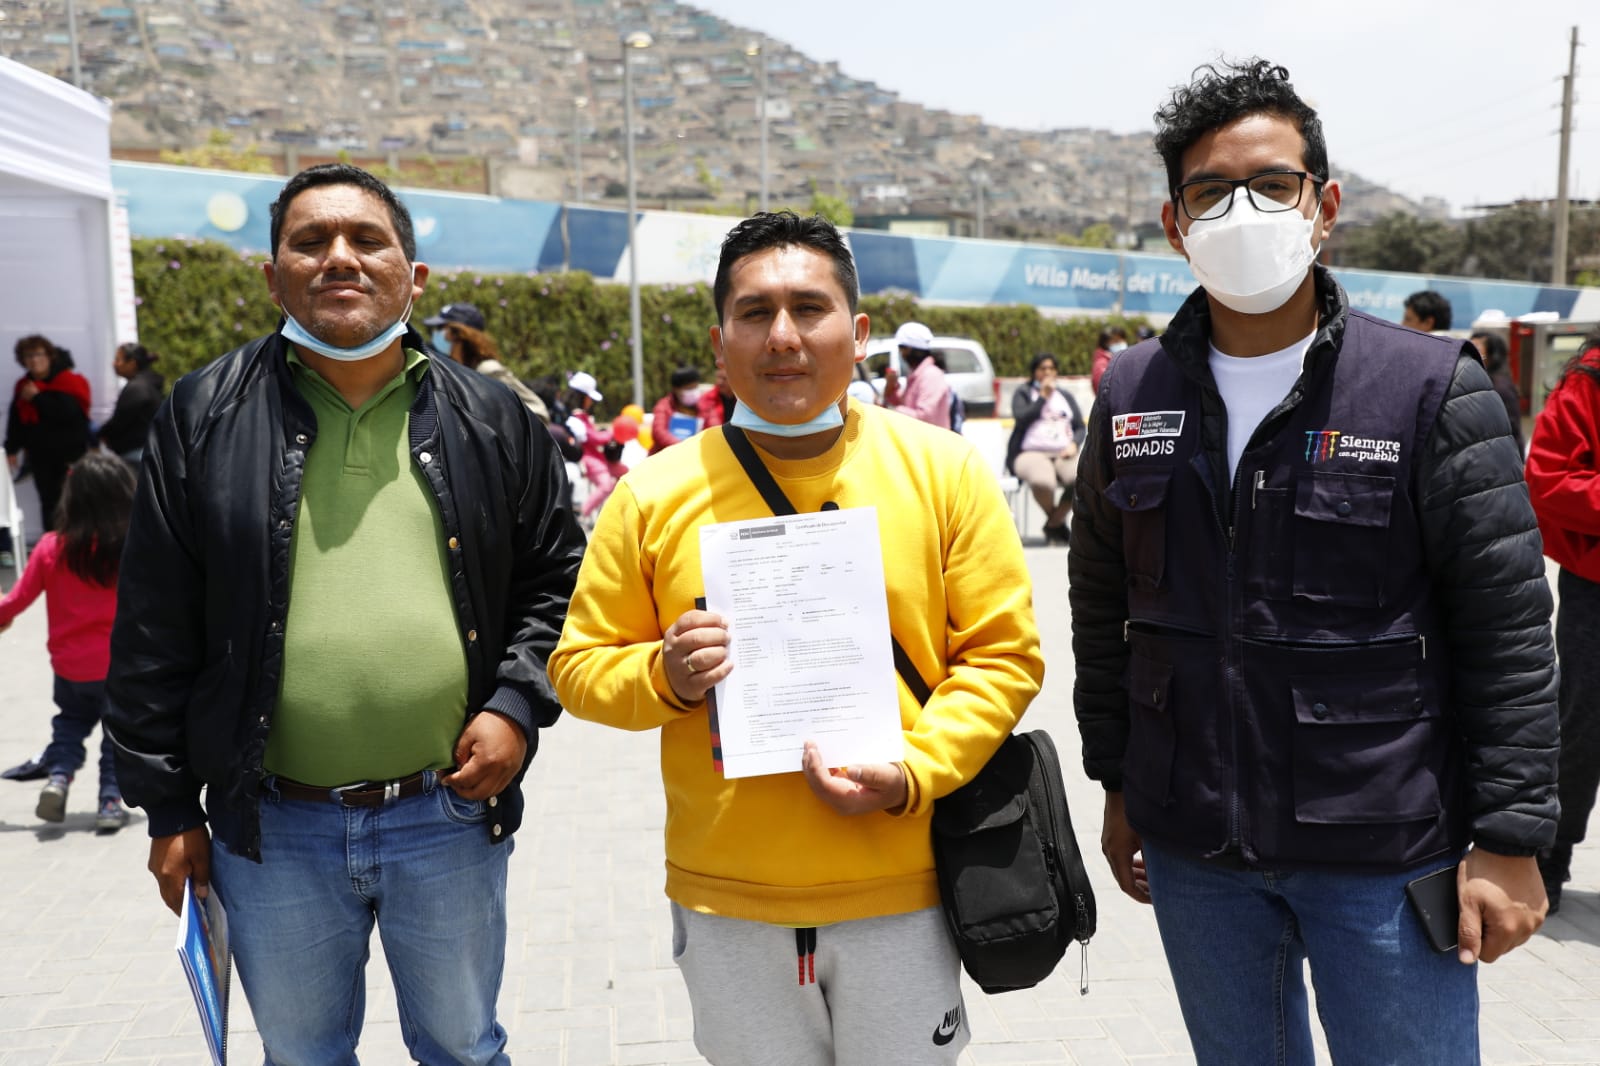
x=49, y=419
x=1564, y=482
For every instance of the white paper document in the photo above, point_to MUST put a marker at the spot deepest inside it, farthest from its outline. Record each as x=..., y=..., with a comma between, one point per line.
x=809, y=619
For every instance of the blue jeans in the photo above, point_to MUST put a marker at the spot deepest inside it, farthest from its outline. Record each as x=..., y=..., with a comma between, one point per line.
x=1236, y=940
x=300, y=922
x=79, y=705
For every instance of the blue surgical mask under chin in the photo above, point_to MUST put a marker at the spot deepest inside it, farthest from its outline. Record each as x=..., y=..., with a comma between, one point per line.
x=830, y=417
x=296, y=334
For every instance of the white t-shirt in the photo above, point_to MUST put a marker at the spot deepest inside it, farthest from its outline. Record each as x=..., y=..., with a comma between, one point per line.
x=1251, y=387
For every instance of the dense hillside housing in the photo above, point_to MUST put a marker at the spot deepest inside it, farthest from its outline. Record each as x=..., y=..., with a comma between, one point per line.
x=530, y=84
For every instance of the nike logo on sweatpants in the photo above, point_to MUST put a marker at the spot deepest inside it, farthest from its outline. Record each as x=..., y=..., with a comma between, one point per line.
x=945, y=1031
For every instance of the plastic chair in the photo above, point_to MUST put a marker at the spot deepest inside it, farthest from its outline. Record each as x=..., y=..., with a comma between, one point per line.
x=16, y=522
x=1018, y=497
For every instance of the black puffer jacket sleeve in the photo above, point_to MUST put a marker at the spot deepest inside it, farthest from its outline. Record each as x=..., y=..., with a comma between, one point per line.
x=1097, y=591
x=1486, y=559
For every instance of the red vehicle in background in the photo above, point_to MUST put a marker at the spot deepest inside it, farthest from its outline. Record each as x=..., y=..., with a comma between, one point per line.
x=1539, y=345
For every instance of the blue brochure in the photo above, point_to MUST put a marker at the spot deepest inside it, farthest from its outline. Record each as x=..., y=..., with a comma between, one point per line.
x=203, y=949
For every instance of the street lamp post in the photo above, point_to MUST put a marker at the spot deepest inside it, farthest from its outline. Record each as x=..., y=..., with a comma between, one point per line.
x=72, y=36
x=578, y=104
x=979, y=175
x=638, y=39
x=979, y=179
x=753, y=49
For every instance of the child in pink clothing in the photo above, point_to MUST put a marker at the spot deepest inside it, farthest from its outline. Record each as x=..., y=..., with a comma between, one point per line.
x=602, y=463
x=75, y=568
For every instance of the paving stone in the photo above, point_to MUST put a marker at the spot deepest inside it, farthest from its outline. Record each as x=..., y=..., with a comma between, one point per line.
x=88, y=973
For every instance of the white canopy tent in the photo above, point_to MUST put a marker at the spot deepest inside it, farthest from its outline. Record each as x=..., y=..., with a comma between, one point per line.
x=56, y=208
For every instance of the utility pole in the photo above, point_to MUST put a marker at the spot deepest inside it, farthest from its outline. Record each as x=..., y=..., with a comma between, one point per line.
x=756, y=51
x=1558, y=254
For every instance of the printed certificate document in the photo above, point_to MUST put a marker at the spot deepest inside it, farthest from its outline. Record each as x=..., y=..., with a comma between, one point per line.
x=809, y=618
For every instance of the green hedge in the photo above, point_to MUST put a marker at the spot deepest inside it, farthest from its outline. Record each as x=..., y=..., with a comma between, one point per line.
x=198, y=299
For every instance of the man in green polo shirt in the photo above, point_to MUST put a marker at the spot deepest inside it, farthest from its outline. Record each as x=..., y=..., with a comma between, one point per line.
x=347, y=566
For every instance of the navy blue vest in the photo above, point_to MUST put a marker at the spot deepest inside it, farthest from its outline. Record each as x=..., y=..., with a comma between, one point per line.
x=1288, y=680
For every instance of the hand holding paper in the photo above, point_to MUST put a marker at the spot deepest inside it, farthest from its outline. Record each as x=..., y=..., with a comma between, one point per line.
x=694, y=653
x=855, y=789
x=177, y=859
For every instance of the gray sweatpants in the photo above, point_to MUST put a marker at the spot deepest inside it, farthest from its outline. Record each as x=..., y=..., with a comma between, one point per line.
x=874, y=992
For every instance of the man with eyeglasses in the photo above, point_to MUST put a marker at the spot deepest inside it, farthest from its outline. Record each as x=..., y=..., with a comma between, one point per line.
x=1311, y=625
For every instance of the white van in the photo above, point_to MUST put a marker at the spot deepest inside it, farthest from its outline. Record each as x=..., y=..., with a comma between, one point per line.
x=966, y=365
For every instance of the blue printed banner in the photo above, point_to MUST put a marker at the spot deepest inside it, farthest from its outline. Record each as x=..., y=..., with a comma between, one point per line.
x=456, y=232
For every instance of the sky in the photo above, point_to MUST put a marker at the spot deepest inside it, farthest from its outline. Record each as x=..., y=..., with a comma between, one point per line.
x=1460, y=100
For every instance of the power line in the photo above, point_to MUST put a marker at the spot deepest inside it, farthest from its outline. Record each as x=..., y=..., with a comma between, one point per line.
x=1477, y=151
x=1477, y=135
x=1464, y=115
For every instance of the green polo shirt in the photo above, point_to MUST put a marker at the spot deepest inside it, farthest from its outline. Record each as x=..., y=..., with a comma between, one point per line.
x=374, y=682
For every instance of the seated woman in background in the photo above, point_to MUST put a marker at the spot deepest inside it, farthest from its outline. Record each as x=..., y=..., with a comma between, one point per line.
x=1043, y=450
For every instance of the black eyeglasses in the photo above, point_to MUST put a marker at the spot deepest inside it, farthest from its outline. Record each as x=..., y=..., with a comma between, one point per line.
x=1276, y=190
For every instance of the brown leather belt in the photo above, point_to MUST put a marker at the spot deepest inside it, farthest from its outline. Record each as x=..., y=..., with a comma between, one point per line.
x=361, y=794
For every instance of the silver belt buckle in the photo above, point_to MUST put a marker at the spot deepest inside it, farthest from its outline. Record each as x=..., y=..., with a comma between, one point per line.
x=391, y=792
x=340, y=790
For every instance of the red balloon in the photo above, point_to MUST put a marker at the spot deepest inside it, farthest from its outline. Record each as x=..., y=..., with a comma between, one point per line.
x=624, y=428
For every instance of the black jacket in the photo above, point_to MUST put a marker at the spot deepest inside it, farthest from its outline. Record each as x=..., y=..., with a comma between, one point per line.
x=129, y=423
x=1341, y=656
x=197, y=646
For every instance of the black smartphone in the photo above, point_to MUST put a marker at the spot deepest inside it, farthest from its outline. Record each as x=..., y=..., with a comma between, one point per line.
x=1438, y=907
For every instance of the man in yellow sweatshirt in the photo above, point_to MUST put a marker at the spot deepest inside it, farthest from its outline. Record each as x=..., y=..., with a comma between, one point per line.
x=805, y=909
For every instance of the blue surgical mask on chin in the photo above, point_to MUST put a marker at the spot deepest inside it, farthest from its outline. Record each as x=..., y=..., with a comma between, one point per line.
x=296, y=334
x=828, y=418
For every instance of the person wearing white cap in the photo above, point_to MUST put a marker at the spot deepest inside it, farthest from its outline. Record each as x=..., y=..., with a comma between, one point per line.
x=925, y=394
x=584, y=394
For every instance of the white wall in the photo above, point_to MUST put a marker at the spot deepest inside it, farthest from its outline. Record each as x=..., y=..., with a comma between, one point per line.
x=53, y=280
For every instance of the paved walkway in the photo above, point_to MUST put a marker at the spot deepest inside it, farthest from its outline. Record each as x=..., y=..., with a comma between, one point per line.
x=88, y=973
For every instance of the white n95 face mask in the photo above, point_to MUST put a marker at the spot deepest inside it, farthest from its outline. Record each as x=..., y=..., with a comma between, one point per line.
x=1250, y=260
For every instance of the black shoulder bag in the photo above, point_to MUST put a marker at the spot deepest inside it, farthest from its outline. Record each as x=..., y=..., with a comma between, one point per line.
x=1011, y=878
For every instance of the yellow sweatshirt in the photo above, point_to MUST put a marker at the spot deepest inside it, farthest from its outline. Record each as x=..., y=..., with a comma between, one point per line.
x=960, y=602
